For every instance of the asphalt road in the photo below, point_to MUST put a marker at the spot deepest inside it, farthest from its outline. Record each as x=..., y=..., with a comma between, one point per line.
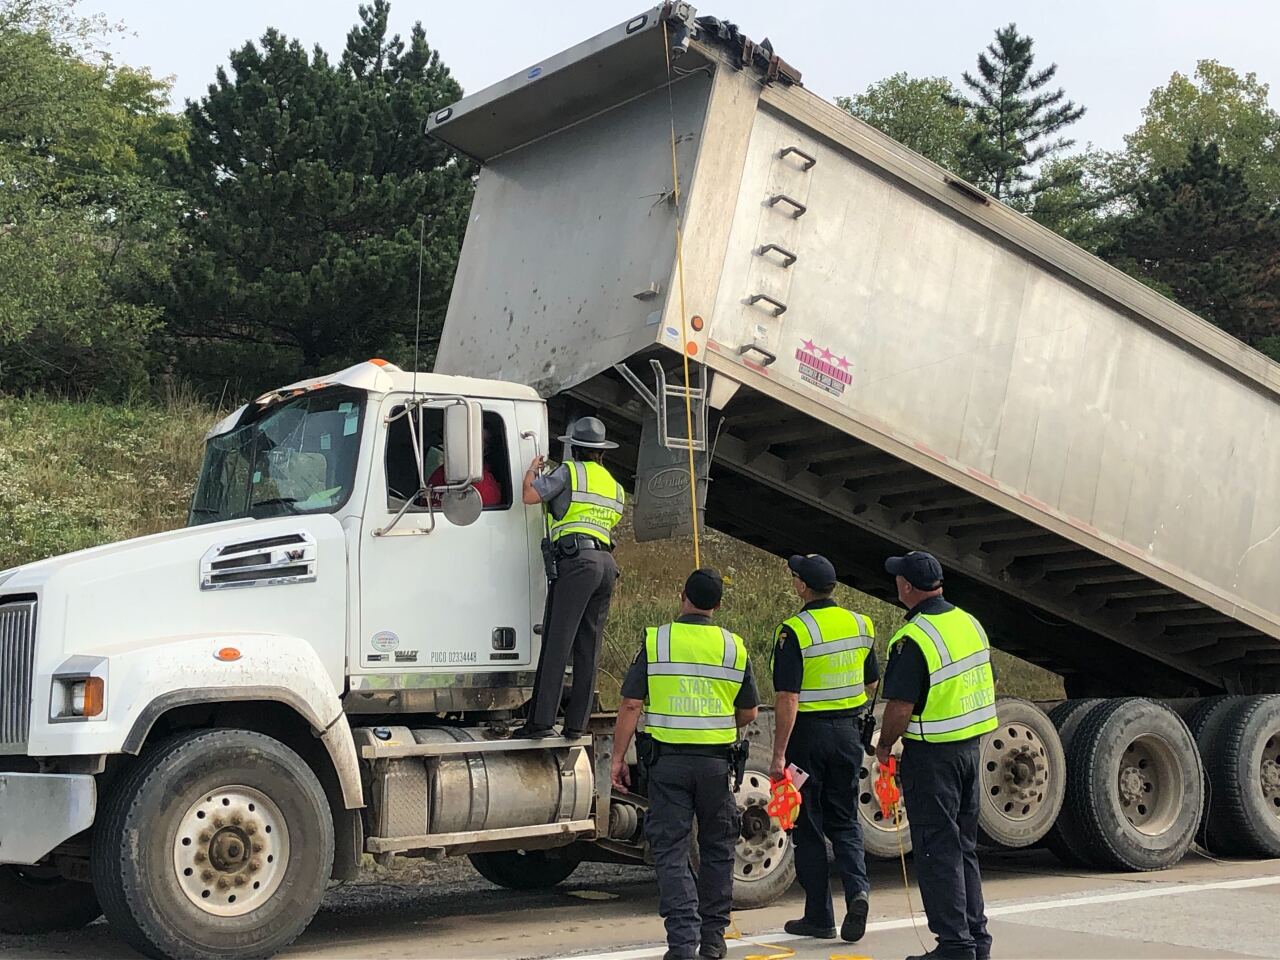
x=1199, y=909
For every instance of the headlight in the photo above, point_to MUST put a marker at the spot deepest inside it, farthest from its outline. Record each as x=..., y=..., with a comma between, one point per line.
x=79, y=690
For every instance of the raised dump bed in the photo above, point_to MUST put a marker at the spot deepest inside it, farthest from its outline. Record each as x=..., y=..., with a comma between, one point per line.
x=896, y=359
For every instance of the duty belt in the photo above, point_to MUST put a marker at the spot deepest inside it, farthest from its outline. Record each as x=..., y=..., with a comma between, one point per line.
x=582, y=541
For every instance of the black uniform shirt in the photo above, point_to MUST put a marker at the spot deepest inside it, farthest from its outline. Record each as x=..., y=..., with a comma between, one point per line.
x=635, y=685
x=788, y=665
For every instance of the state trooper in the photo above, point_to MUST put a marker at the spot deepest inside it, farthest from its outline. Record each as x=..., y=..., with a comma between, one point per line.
x=583, y=503
x=694, y=683
x=941, y=698
x=824, y=664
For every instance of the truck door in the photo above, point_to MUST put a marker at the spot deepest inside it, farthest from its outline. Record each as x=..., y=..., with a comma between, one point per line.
x=440, y=601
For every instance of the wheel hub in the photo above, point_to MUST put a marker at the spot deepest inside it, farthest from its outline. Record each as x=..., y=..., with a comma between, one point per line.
x=1015, y=770
x=1271, y=778
x=231, y=850
x=1132, y=784
x=762, y=844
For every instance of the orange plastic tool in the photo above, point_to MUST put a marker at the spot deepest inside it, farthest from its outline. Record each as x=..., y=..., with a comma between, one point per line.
x=887, y=790
x=784, y=801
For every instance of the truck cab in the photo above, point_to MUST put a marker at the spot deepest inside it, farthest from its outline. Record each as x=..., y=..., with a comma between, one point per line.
x=200, y=728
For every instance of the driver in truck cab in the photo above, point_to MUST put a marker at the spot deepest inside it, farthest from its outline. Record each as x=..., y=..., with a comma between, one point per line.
x=583, y=504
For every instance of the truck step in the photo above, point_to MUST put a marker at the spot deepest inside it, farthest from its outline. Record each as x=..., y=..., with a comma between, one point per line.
x=388, y=751
x=444, y=841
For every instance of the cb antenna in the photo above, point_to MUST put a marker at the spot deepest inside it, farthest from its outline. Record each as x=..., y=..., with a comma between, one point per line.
x=417, y=325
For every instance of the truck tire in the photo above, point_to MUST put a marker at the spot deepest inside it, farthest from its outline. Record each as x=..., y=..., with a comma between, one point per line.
x=764, y=860
x=1244, y=774
x=1204, y=719
x=1135, y=787
x=1024, y=777
x=217, y=845
x=40, y=900
x=1064, y=839
x=881, y=839
x=525, y=869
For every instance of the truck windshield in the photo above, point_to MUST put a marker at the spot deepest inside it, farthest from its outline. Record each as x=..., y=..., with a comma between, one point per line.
x=298, y=456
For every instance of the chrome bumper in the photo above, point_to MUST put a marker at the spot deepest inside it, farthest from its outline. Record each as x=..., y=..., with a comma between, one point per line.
x=38, y=811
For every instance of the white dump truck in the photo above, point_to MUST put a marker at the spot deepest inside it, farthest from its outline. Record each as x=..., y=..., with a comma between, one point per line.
x=199, y=729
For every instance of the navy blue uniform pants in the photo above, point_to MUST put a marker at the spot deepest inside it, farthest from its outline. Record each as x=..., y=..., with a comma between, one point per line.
x=940, y=785
x=681, y=789
x=830, y=751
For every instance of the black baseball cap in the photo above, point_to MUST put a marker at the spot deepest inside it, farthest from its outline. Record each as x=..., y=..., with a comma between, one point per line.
x=921, y=570
x=704, y=588
x=815, y=570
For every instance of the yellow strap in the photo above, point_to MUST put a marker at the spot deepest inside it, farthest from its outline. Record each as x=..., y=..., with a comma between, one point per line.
x=684, y=332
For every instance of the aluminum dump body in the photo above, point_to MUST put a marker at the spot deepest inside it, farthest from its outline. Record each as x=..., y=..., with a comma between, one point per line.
x=902, y=362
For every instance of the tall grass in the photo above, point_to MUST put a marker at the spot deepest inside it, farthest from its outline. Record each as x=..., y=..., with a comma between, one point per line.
x=75, y=475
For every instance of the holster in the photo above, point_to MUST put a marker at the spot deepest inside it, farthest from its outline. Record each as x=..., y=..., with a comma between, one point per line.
x=868, y=731
x=647, y=749
x=741, y=751
x=549, y=560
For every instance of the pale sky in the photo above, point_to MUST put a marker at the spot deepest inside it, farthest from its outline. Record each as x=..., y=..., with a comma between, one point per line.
x=1110, y=53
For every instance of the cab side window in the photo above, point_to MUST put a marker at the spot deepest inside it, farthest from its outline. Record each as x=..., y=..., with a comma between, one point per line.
x=495, y=486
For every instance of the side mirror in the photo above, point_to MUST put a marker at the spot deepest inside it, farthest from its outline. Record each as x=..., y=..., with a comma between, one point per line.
x=463, y=443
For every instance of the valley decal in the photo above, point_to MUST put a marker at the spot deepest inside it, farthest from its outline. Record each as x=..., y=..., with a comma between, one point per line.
x=821, y=368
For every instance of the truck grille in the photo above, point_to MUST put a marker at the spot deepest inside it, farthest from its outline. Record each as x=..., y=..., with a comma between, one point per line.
x=17, y=662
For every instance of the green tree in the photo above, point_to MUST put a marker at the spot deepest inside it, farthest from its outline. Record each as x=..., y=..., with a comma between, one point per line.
x=1018, y=119
x=309, y=181
x=919, y=112
x=85, y=230
x=1215, y=105
x=1198, y=235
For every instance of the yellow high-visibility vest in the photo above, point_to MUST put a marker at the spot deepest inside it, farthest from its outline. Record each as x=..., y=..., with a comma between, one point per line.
x=595, y=503
x=962, y=690
x=834, y=645
x=695, y=672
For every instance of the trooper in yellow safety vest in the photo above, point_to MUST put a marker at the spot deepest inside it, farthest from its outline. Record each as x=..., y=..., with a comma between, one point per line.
x=583, y=504
x=824, y=669
x=694, y=683
x=940, y=699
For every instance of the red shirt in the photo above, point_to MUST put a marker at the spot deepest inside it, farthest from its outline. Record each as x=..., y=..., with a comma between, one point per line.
x=488, y=487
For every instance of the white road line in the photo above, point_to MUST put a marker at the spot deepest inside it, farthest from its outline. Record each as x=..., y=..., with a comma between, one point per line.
x=998, y=910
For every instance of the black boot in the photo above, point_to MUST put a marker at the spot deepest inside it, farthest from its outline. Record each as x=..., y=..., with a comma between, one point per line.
x=532, y=731
x=855, y=921
x=713, y=947
x=803, y=928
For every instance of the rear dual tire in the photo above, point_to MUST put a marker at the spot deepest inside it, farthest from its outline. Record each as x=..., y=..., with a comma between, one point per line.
x=1135, y=787
x=1240, y=743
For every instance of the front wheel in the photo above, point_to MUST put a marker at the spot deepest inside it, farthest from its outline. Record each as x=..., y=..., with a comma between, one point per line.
x=41, y=900
x=216, y=846
x=526, y=869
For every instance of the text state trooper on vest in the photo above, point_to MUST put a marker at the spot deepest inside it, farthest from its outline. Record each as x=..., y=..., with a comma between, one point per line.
x=941, y=698
x=584, y=504
x=694, y=682
x=824, y=667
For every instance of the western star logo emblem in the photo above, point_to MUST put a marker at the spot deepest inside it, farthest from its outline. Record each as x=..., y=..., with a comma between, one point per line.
x=822, y=368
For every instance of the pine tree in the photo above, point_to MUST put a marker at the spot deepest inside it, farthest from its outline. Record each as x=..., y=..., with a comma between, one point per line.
x=308, y=181
x=1198, y=235
x=1018, y=118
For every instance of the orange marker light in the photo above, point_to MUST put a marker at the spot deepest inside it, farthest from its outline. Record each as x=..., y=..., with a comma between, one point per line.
x=95, y=697
x=378, y=361
x=691, y=348
x=227, y=655
x=696, y=323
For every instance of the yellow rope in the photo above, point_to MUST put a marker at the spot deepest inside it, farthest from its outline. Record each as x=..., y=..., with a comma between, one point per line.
x=684, y=332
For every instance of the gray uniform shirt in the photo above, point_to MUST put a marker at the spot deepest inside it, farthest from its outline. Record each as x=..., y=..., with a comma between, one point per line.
x=555, y=489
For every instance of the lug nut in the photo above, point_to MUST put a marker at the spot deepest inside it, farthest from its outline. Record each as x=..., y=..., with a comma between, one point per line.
x=251, y=829
x=217, y=821
x=206, y=876
x=223, y=883
x=255, y=866
x=199, y=857
x=240, y=881
x=204, y=837
x=257, y=848
x=237, y=820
